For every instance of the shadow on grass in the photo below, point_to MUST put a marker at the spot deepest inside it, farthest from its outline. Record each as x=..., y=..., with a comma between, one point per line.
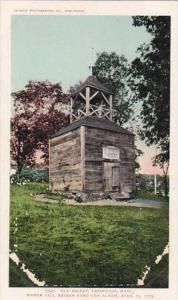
x=17, y=277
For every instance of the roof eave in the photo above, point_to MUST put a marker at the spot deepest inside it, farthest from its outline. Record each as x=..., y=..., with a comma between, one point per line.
x=92, y=86
x=83, y=122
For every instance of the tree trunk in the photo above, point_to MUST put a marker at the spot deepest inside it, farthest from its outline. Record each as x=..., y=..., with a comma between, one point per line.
x=19, y=171
x=165, y=185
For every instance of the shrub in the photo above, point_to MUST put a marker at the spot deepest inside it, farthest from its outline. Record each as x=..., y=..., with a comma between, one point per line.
x=31, y=175
x=78, y=199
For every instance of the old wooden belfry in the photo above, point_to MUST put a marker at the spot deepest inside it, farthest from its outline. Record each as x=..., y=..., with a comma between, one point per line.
x=93, y=154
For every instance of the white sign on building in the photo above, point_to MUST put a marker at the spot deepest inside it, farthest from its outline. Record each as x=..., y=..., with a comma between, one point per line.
x=111, y=152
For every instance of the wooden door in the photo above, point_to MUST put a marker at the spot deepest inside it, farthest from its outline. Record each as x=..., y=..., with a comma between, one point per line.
x=111, y=179
x=107, y=178
x=115, y=178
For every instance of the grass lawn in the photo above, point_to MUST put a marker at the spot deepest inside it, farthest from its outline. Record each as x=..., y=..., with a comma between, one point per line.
x=141, y=194
x=85, y=246
x=18, y=278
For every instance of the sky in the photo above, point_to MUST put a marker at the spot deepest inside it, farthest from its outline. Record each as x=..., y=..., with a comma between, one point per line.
x=61, y=48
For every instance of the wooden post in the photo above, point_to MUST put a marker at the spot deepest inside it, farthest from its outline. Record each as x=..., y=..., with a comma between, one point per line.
x=49, y=164
x=82, y=140
x=110, y=104
x=100, y=110
x=87, y=100
x=71, y=108
x=155, y=183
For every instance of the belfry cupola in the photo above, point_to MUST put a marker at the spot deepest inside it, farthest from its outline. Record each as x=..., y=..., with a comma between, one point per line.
x=92, y=98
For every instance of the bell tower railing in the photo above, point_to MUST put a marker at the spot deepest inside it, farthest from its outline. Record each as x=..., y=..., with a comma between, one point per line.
x=103, y=110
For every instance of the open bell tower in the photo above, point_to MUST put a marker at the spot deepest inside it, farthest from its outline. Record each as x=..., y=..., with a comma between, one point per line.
x=92, y=98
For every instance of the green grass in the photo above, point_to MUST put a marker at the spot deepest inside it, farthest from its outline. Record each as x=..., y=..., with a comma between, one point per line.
x=141, y=194
x=85, y=245
x=158, y=276
x=18, y=278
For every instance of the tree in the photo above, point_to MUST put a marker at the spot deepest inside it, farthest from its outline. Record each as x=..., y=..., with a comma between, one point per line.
x=36, y=116
x=138, y=153
x=150, y=84
x=163, y=162
x=113, y=70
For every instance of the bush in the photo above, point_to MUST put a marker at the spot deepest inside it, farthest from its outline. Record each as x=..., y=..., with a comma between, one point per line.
x=31, y=175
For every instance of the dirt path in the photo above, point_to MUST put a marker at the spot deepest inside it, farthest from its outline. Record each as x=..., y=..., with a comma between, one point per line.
x=132, y=202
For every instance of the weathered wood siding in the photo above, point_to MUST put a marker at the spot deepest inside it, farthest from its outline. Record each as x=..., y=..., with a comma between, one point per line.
x=94, y=141
x=76, y=160
x=65, y=162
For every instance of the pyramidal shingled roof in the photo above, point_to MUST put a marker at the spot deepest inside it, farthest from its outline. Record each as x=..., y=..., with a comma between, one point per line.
x=93, y=122
x=93, y=82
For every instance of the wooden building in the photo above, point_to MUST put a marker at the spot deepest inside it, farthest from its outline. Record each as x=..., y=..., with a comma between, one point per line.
x=92, y=154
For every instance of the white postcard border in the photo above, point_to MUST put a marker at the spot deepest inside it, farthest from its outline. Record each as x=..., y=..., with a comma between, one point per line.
x=9, y=8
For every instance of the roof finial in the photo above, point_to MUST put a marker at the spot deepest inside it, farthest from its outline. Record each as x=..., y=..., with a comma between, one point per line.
x=91, y=66
x=91, y=69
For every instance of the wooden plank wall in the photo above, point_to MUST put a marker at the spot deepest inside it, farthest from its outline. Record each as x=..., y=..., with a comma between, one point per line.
x=95, y=138
x=65, y=162
x=76, y=160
